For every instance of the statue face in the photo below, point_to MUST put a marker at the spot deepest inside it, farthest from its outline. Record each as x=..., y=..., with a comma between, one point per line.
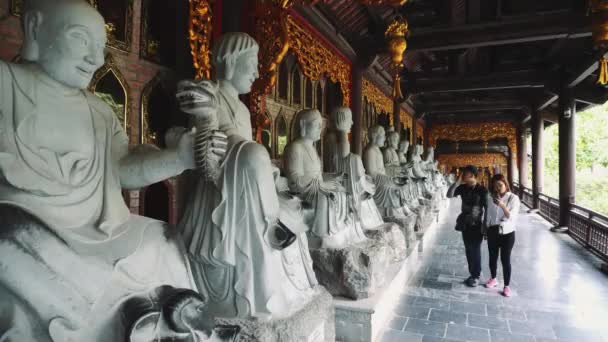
x=393, y=140
x=403, y=146
x=71, y=42
x=313, y=129
x=245, y=72
x=380, y=138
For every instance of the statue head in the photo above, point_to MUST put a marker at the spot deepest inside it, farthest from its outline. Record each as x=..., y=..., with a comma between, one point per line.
x=342, y=119
x=430, y=153
x=377, y=135
x=311, y=124
x=393, y=140
x=403, y=146
x=66, y=38
x=235, y=59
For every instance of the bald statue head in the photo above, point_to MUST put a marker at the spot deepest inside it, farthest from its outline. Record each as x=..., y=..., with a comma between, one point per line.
x=311, y=124
x=66, y=38
x=404, y=146
x=393, y=140
x=377, y=135
x=235, y=59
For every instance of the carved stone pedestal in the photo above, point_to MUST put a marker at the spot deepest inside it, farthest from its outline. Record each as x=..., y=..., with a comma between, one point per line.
x=391, y=235
x=314, y=323
x=425, y=217
x=363, y=320
x=407, y=224
x=354, y=272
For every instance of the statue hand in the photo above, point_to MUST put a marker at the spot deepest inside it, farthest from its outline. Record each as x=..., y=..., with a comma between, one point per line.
x=333, y=185
x=185, y=149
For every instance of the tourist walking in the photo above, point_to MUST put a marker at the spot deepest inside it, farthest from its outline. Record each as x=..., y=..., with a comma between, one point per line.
x=469, y=222
x=499, y=223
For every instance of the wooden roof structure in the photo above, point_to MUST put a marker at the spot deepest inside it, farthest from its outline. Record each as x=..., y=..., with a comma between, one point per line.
x=474, y=60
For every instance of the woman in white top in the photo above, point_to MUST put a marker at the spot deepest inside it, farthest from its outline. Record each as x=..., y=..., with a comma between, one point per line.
x=500, y=216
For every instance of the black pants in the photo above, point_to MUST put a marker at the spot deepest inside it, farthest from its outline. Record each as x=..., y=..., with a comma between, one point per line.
x=472, y=238
x=503, y=245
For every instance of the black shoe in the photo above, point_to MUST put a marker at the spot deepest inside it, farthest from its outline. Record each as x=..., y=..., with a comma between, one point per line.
x=472, y=282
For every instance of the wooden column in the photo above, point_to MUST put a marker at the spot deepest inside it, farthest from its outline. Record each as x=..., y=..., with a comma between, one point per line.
x=538, y=158
x=567, y=156
x=511, y=161
x=523, y=161
x=357, y=107
x=397, y=116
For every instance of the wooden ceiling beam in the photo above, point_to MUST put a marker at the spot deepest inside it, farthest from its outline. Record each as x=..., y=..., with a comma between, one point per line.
x=507, y=31
x=491, y=81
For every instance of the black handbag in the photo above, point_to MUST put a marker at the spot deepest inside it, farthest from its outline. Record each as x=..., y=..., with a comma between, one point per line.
x=461, y=222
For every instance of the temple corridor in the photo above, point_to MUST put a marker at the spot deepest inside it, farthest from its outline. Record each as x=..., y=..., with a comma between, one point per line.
x=558, y=291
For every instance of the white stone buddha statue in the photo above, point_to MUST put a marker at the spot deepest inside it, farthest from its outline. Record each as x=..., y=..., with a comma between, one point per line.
x=71, y=253
x=402, y=151
x=338, y=158
x=333, y=223
x=247, y=249
x=391, y=197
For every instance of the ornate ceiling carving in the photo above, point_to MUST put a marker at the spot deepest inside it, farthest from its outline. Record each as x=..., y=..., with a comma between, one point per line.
x=475, y=131
x=406, y=118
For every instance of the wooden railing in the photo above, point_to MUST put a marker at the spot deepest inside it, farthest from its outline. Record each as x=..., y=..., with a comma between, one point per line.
x=590, y=229
x=586, y=226
x=549, y=208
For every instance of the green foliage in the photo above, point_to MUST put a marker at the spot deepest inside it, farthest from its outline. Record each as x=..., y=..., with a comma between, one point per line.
x=591, y=157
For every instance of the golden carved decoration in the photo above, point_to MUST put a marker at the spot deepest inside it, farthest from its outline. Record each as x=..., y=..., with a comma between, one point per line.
x=375, y=96
x=120, y=43
x=277, y=32
x=420, y=131
x=199, y=36
x=483, y=160
x=406, y=118
x=395, y=3
x=396, y=35
x=147, y=136
x=111, y=67
x=599, y=29
x=477, y=131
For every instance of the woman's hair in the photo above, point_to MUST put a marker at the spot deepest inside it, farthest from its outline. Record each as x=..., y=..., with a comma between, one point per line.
x=498, y=177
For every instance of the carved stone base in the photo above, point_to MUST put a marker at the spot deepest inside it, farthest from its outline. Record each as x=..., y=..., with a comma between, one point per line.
x=354, y=272
x=425, y=217
x=407, y=225
x=314, y=323
x=391, y=235
x=364, y=320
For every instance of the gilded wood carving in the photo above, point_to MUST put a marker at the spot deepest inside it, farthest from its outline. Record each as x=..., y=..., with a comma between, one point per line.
x=376, y=97
x=199, y=36
x=475, y=131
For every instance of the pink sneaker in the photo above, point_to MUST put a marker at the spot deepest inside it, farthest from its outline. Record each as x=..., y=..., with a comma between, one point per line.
x=506, y=292
x=491, y=283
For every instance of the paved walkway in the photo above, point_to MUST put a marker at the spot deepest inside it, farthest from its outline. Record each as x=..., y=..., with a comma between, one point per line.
x=558, y=292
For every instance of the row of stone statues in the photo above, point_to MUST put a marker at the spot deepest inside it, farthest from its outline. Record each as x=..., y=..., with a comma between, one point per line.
x=253, y=243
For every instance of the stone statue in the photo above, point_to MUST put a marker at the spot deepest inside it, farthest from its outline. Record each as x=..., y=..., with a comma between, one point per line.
x=247, y=248
x=71, y=253
x=338, y=158
x=392, y=193
x=402, y=151
x=333, y=224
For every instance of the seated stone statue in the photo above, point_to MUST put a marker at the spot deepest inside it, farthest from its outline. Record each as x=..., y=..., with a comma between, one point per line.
x=339, y=159
x=247, y=248
x=71, y=254
x=392, y=193
x=333, y=224
x=420, y=173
